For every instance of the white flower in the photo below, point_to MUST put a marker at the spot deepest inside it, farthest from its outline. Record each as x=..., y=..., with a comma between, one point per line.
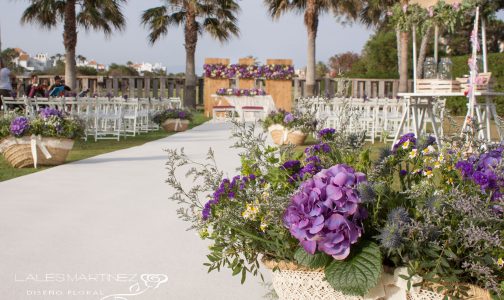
x=428, y=150
x=413, y=153
x=406, y=145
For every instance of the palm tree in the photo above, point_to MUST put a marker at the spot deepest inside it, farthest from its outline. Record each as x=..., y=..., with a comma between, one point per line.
x=312, y=10
x=216, y=17
x=373, y=13
x=81, y=58
x=104, y=15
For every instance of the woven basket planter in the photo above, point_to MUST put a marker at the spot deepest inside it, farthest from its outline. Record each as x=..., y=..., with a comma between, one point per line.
x=292, y=282
x=18, y=152
x=279, y=136
x=175, y=125
x=474, y=292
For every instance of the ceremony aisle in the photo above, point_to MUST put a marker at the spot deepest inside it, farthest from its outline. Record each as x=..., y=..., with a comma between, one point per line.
x=104, y=226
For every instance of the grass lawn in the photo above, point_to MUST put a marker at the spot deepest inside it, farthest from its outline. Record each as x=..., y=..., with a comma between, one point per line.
x=83, y=150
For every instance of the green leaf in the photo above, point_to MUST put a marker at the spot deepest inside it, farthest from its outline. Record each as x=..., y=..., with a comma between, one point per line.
x=359, y=272
x=318, y=260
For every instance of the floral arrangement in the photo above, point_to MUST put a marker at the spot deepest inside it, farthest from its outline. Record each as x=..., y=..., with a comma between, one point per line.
x=49, y=122
x=240, y=92
x=436, y=212
x=296, y=120
x=171, y=113
x=271, y=72
x=446, y=15
x=448, y=229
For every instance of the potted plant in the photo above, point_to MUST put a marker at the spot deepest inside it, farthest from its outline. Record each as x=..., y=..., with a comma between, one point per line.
x=448, y=233
x=173, y=119
x=44, y=140
x=301, y=214
x=289, y=128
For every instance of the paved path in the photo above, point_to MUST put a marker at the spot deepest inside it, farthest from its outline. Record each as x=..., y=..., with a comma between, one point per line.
x=89, y=229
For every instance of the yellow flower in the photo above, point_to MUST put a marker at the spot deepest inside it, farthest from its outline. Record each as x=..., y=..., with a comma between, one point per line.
x=250, y=212
x=263, y=226
x=413, y=153
x=441, y=158
x=449, y=167
x=428, y=160
x=428, y=173
x=406, y=145
x=437, y=165
x=500, y=262
x=449, y=181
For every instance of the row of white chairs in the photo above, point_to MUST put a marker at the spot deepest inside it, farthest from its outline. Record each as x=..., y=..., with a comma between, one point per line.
x=105, y=118
x=380, y=118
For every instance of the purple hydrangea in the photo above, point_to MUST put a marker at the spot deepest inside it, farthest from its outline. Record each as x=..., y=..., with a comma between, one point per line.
x=182, y=114
x=19, y=126
x=48, y=112
x=324, y=213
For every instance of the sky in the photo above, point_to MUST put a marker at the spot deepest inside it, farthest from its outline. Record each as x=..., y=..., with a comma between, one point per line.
x=260, y=37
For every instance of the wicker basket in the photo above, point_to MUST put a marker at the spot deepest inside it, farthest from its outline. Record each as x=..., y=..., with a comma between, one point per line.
x=292, y=282
x=279, y=137
x=474, y=292
x=17, y=151
x=175, y=125
x=296, y=138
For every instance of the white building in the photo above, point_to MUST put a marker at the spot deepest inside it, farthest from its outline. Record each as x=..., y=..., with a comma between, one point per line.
x=148, y=67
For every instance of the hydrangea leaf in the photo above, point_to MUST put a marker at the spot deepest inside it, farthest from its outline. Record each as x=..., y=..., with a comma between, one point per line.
x=318, y=260
x=357, y=274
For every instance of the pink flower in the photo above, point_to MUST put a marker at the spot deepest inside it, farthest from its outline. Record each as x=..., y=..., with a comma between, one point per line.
x=405, y=8
x=456, y=6
x=389, y=13
x=431, y=11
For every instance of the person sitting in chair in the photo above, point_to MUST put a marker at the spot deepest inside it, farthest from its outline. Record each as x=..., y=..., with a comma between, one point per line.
x=58, y=88
x=34, y=89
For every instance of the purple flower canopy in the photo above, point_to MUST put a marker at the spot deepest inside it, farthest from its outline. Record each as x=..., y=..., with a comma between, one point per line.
x=325, y=214
x=19, y=126
x=272, y=72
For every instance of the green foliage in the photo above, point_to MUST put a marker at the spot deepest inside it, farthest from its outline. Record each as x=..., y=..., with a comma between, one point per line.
x=87, y=71
x=5, y=122
x=357, y=274
x=121, y=70
x=318, y=260
x=296, y=120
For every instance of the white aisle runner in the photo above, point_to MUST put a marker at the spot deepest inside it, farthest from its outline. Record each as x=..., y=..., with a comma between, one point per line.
x=105, y=226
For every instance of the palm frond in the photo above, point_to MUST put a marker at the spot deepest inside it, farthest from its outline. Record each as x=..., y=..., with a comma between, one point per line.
x=158, y=20
x=278, y=7
x=104, y=15
x=46, y=13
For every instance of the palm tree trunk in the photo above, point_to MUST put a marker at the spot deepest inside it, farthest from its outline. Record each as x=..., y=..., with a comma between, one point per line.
x=398, y=40
x=403, y=70
x=191, y=40
x=423, y=51
x=70, y=41
x=311, y=22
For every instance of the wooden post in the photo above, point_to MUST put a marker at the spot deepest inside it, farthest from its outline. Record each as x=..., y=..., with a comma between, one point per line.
x=131, y=88
x=246, y=83
x=171, y=84
x=115, y=87
x=155, y=87
x=163, y=87
x=139, y=89
x=381, y=89
x=211, y=85
x=280, y=90
x=296, y=88
x=147, y=87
